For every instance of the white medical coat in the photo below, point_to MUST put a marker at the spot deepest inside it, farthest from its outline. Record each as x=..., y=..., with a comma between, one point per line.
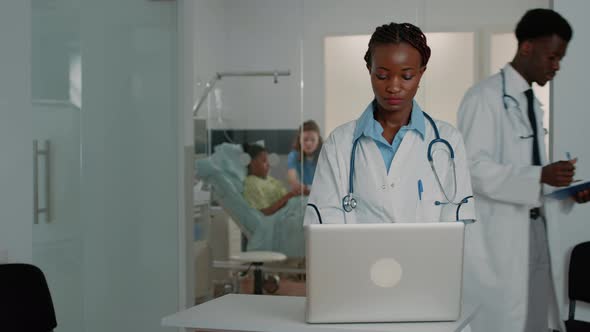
x=393, y=197
x=506, y=187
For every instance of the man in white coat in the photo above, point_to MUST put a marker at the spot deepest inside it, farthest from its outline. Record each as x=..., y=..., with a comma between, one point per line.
x=507, y=260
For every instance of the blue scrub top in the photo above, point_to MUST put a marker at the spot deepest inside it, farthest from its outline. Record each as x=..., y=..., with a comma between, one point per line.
x=368, y=126
x=307, y=168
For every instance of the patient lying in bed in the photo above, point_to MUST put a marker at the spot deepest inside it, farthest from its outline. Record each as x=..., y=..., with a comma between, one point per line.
x=262, y=191
x=282, y=231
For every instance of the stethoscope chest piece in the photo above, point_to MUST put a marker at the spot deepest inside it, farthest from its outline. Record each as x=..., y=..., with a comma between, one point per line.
x=348, y=203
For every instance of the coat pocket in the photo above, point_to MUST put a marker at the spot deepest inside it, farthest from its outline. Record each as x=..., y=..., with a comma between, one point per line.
x=427, y=210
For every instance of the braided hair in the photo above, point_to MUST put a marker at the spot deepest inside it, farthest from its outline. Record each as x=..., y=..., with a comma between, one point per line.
x=396, y=33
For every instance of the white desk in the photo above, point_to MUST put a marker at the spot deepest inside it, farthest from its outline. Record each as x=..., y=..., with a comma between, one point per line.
x=263, y=313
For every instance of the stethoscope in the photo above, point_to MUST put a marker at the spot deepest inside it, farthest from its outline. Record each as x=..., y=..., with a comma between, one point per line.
x=509, y=97
x=349, y=203
x=504, y=94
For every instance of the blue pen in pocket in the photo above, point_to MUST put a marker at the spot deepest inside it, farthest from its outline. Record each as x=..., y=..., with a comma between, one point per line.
x=420, y=189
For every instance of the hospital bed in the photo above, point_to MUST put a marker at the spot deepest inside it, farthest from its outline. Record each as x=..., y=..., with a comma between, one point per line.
x=224, y=171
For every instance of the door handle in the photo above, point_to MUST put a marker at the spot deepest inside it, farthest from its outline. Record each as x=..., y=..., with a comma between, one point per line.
x=37, y=153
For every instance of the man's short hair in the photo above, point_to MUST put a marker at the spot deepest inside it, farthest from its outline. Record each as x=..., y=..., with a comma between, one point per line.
x=542, y=22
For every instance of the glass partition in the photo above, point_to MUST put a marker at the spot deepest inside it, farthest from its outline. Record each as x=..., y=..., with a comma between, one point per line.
x=106, y=170
x=264, y=68
x=58, y=238
x=248, y=91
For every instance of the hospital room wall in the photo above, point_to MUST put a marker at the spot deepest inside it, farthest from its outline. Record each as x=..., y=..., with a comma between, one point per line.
x=350, y=17
x=571, y=118
x=207, y=47
x=267, y=35
x=251, y=35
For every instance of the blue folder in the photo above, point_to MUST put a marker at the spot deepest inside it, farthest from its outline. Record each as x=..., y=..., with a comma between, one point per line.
x=569, y=191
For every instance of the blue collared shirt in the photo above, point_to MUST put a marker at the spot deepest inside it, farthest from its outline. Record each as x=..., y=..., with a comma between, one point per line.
x=367, y=125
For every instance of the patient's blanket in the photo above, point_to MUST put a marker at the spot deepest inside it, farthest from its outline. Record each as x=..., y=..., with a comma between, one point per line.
x=285, y=232
x=280, y=232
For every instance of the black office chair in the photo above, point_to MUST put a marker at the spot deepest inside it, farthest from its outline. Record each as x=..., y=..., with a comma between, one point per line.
x=579, y=285
x=25, y=301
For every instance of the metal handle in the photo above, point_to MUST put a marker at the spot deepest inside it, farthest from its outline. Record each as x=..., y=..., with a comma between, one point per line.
x=36, y=153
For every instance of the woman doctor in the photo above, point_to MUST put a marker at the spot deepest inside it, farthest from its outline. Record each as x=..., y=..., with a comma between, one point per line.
x=377, y=168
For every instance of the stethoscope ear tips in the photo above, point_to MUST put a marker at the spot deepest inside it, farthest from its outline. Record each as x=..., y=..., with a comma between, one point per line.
x=437, y=203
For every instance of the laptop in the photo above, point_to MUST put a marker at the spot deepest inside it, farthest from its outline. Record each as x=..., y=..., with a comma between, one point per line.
x=398, y=272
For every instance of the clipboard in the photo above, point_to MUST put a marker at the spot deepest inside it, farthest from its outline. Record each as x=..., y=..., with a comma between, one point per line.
x=568, y=191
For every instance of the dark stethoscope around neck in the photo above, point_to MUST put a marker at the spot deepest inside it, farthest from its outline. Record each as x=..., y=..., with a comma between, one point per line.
x=505, y=96
x=349, y=203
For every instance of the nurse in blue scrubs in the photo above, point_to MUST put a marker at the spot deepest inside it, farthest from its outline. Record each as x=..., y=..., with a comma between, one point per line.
x=303, y=159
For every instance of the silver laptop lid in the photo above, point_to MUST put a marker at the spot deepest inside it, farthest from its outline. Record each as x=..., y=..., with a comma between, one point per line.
x=384, y=272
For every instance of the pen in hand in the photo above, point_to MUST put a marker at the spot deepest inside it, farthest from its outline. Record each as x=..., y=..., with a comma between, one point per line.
x=568, y=156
